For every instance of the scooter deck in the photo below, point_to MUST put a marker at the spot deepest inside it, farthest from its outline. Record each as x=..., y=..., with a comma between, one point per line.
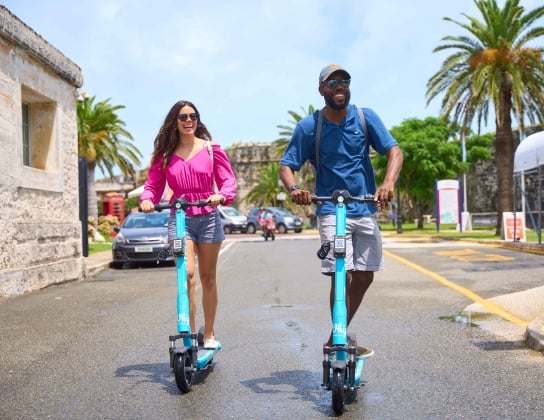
x=205, y=356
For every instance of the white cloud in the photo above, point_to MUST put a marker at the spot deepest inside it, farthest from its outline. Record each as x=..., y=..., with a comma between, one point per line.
x=246, y=63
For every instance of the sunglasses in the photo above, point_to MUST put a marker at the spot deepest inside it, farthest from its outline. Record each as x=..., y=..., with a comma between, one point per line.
x=331, y=84
x=183, y=117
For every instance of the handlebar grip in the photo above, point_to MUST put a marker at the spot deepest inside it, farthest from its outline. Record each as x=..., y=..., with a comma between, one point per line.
x=162, y=206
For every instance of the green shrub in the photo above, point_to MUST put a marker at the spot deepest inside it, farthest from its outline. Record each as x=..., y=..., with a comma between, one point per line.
x=106, y=224
x=131, y=203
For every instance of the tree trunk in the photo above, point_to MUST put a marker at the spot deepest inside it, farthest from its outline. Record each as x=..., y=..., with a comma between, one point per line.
x=504, y=157
x=91, y=192
x=420, y=220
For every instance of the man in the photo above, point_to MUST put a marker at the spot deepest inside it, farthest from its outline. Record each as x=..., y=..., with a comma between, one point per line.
x=342, y=162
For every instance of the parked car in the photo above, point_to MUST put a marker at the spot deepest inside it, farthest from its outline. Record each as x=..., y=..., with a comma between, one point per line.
x=285, y=220
x=232, y=219
x=141, y=238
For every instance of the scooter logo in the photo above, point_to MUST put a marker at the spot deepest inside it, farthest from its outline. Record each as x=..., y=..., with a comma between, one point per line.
x=183, y=319
x=338, y=329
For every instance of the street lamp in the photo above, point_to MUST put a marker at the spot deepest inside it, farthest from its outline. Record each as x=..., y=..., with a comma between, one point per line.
x=465, y=215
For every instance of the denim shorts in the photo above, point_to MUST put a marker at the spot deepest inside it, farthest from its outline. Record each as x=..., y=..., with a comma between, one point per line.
x=363, y=243
x=202, y=228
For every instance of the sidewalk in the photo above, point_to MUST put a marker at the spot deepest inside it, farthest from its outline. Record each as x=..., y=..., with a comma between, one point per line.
x=97, y=262
x=527, y=305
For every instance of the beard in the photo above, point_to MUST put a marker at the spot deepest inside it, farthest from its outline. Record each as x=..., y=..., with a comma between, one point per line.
x=329, y=100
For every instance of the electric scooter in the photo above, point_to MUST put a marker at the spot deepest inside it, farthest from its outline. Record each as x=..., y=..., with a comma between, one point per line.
x=342, y=365
x=187, y=353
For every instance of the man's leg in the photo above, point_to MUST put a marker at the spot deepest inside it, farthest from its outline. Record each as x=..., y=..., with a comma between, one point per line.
x=358, y=283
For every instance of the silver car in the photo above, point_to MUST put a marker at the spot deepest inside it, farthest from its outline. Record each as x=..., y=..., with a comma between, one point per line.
x=285, y=220
x=232, y=219
x=142, y=238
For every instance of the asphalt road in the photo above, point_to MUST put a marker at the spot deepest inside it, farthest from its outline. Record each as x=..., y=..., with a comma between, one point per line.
x=99, y=348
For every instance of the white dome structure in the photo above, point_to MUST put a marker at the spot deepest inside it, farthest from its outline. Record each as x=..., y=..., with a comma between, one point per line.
x=530, y=153
x=529, y=161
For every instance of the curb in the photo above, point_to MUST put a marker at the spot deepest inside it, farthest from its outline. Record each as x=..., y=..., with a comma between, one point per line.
x=534, y=334
x=96, y=263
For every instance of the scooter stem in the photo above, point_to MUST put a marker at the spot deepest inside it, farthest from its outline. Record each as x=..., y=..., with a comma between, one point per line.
x=183, y=296
x=339, y=312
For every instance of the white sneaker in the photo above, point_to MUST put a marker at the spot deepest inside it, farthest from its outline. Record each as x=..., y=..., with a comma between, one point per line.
x=210, y=344
x=364, y=352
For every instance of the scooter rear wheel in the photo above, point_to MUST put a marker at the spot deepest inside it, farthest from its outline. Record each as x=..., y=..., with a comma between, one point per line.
x=338, y=400
x=183, y=371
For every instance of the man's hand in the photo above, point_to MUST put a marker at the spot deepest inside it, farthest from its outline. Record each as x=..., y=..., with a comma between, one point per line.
x=301, y=197
x=384, y=194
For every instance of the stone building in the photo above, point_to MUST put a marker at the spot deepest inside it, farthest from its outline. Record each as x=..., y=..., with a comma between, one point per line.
x=247, y=161
x=39, y=210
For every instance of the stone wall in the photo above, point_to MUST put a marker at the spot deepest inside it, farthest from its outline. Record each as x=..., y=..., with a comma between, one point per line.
x=39, y=210
x=482, y=182
x=247, y=161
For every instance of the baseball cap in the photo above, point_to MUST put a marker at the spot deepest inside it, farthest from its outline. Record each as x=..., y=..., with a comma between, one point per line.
x=330, y=69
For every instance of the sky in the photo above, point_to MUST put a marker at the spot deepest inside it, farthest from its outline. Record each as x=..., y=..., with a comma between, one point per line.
x=246, y=63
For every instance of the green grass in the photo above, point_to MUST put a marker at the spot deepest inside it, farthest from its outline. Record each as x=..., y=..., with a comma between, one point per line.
x=99, y=247
x=448, y=231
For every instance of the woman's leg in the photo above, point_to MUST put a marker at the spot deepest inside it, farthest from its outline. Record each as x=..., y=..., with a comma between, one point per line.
x=208, y=254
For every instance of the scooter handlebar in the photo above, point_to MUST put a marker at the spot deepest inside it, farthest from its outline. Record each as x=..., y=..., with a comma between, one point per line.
x=345, y=197
x=183, y=202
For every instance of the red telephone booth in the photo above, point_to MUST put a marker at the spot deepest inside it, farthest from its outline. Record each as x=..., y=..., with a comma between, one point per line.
x=114, y=204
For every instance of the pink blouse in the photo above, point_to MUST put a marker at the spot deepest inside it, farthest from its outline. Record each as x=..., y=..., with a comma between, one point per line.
x=192, y=179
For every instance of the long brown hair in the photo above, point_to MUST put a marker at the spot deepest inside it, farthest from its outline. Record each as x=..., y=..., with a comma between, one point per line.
x=168, y=137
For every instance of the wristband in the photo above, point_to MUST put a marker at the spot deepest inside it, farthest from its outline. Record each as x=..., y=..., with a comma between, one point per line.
x=293, y=188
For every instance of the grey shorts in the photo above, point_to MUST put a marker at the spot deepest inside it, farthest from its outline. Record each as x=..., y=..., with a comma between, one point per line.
x=363, y=243
x=202, y=228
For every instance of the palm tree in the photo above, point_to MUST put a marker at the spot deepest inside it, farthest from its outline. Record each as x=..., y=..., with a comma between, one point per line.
x=104, y=142
x=498, y=65
x=287, y=130
x=280, y=145
x=265, y=193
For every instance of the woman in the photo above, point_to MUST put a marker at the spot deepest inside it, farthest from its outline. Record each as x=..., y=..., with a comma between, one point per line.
x=185, y=159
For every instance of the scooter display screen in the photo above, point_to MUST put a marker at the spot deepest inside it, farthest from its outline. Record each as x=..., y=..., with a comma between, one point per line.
x=339, y=246
x=178, y=247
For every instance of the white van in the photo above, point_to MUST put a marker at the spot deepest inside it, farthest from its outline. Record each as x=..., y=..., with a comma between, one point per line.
x=232, y=220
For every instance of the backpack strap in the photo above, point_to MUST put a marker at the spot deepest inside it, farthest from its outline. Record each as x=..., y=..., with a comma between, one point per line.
x=318, y=132
x=365, y=128
x=318, y=136
x=210, y=152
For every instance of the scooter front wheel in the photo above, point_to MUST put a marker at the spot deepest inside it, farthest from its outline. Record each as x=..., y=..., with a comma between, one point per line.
x=183, y=371
x=338, y=400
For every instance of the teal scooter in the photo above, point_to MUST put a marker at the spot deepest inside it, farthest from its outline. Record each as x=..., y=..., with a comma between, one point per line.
x=187, y=352
x=342, y=365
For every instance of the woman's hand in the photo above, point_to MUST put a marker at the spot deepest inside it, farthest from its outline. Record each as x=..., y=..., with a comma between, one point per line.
x=147, y=206
x=215, y=199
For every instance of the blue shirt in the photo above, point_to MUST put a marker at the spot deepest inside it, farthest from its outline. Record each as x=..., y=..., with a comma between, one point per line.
x=344, y=162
